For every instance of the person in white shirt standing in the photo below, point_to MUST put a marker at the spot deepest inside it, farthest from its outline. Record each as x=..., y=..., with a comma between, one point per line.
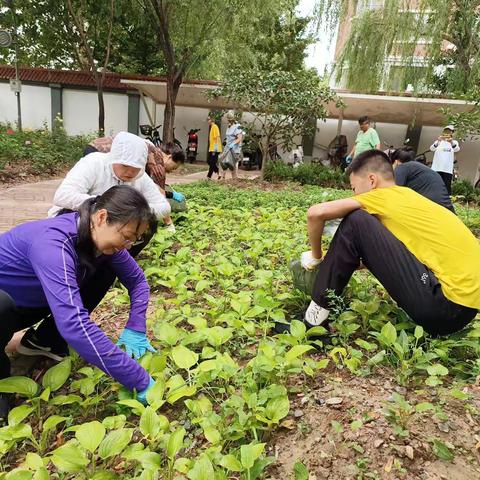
x=445, y=148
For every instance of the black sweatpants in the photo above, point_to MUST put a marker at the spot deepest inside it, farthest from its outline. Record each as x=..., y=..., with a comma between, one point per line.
x=14, y=319
x=212, y=161
x=361, y=237
x=447, y=180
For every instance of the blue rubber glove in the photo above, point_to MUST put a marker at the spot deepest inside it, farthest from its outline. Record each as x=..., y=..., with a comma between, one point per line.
x=232, y=145
x=136, y=343
x=215, y=148
x=179, y=197
x=142, y=396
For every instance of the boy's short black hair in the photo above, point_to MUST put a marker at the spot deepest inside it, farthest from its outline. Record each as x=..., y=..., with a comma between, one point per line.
x=364, y=119
x=373, y=160
x=404, y=154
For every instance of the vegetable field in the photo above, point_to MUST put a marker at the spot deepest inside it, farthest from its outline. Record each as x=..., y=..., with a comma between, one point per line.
x=378, y=399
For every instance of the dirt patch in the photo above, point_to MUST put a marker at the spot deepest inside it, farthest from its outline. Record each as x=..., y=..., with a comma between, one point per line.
x=21, y=172
x=339, y=431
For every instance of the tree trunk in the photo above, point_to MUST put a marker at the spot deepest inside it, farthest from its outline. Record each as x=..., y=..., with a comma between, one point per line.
x=265, y=154
x=101, y=109
x=173, y=86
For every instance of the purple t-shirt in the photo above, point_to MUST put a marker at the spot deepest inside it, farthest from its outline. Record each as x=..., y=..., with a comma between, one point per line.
x=39, y=267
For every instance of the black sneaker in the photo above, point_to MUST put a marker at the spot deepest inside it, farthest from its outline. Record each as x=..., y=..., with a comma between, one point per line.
x=31, y=346
x=5, y=403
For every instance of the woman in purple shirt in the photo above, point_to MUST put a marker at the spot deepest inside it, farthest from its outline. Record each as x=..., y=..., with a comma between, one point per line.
x=47, y=270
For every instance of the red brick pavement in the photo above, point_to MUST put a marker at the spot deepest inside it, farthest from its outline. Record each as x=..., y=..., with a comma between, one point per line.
x=32, y=201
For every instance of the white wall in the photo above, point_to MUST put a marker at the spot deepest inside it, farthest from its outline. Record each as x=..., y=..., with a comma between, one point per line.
x=185, y=119
x=80, y=112
x=35, y=106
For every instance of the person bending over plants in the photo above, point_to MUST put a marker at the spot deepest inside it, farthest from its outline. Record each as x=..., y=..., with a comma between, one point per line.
x=424, y=256
x=161, y=160
x=47, y=275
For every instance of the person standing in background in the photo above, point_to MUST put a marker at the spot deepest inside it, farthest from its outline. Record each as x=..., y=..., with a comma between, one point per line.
x=367, y=139
x=445, y=148
x=214, y=147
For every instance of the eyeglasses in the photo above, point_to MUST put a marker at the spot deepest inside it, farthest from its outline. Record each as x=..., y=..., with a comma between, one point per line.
x=130, y=243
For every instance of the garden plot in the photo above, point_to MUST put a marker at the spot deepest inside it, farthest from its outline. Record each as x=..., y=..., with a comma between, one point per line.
x=232, y=401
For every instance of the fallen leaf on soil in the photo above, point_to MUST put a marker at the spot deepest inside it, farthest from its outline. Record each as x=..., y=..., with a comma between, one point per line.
x=388, y=466
x=334, y=400
x=289, y=423
x=409, y=452
x=377, y=443
x=477, y=446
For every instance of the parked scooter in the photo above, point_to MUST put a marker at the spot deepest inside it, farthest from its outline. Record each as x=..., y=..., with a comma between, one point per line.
x=192, y=144
x=152, y=134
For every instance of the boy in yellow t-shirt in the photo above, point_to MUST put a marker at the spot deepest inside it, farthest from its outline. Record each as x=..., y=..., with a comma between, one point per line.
x=214, y=147
x=424, y=256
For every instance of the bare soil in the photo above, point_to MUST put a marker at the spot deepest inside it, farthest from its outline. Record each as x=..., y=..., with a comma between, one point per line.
x=374, y=451
x=21, y=172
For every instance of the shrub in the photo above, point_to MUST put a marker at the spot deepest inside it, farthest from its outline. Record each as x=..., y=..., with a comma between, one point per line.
x=43, y=151
x=305, y=174
x=466, y=191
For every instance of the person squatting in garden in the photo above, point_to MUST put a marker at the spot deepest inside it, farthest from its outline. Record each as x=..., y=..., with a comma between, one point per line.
x=47, y=274
x=424, y=256
x=160, y=161
x=93, y=175
x=419, y=177
x=235, y=137
x=214, y=147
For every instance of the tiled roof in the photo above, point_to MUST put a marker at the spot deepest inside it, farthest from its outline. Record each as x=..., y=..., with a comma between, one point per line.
x=75, y=78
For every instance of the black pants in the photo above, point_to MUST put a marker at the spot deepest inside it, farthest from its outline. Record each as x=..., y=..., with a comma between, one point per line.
x=411, y=284
x=212, y=161
x=447, y=180
x=14, y=319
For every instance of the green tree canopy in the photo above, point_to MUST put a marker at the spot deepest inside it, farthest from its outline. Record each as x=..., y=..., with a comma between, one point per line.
x=281, y=104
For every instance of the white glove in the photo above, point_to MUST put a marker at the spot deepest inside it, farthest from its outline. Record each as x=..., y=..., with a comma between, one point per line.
x=171, y=228
x=308, y=261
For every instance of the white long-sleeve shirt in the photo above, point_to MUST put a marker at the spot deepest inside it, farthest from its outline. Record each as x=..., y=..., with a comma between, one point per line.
x=93, y=175
x=444, y=155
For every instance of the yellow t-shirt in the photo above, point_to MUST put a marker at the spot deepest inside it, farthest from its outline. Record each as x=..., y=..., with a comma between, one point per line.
x=434, y=235
x=214, y=133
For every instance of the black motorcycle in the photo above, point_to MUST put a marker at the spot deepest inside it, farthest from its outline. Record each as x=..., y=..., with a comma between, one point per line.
x=152, y=134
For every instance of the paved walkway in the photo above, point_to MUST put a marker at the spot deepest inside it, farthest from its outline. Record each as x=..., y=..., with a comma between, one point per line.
x=31, y=201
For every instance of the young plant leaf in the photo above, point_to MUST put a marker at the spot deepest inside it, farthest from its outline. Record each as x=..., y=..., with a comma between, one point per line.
x=115, y=442
x=184, y=357
x=22, y=385
x=175, y=442
x=57, y=375
x=249, y=453
x=90, y=435
x=69, y=458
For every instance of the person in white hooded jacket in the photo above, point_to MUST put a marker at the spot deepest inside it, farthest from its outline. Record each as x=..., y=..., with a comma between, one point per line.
x=95, y=173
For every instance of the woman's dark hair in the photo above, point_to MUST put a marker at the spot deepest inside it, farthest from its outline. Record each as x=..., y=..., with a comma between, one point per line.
x=123, y=204
x=177, y=153
x=363, y=120
x=404, y=154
